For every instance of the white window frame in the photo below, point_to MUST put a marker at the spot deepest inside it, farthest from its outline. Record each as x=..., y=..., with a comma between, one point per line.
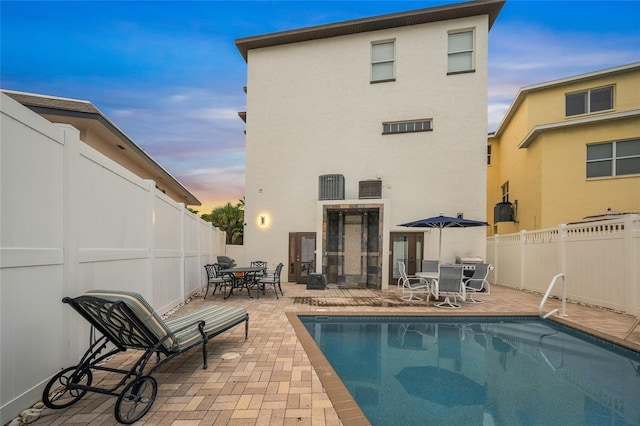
x=505, y=192
x=587, y=94
x=391, y=61
x=467, y=51
x=615, y=157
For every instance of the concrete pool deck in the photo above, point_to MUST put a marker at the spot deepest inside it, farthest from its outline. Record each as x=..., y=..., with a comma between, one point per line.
x=270, y=379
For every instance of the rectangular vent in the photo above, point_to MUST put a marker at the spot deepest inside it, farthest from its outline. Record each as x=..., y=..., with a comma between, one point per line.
x=331, y=187
x=370, y=189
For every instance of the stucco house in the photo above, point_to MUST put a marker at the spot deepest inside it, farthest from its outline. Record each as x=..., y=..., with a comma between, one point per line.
x=565, y=150
x=355, y=127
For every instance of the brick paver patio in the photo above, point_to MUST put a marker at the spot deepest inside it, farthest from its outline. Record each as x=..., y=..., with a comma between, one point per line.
x=270, y=379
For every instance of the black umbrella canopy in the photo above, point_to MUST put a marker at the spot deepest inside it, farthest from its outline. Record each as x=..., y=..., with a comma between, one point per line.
x=441, y=386
x=442, y=222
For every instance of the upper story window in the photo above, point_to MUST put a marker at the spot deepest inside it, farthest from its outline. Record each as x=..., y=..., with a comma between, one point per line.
x=406, y=126
x=382, y=61
x=613, y=159
x=460, y=52
x=505, y=192
x=593, y=100
x=488, y=155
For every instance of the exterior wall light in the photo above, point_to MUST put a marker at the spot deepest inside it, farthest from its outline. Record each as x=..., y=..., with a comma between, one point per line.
x=262, y=221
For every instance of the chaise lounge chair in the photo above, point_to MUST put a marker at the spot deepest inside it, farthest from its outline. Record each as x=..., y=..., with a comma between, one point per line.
x=125, y=320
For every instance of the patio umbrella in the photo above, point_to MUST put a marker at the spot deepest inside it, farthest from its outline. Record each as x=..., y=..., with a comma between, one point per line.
x=441, y=386
x=442, y=222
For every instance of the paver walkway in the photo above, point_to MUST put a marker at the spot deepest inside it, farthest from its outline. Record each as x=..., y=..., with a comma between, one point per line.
x=269, y=379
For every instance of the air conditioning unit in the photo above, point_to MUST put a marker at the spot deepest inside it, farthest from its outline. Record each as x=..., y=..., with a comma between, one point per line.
x=503, y=212
x=331, y=187
x=370, y=189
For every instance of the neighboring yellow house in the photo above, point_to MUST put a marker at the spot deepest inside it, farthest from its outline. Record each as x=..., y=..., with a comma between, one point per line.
x=565, y=150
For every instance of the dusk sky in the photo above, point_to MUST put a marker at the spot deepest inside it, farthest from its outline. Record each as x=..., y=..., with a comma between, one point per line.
x=170, y=77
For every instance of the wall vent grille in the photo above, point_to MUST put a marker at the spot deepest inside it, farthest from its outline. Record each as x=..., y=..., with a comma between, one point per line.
x=370, y=189
x=331, y=187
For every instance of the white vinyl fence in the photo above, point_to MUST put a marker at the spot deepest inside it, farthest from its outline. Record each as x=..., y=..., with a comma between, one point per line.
x=72, y=220
x=600, y=260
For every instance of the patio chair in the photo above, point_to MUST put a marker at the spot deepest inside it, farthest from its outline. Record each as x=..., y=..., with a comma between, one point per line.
x=259, y=264
x=478, y=281
x=216, y=279
x=450, y=284
x=124, y=321
x=272, y=280
x=411, y=285
x=430, y=265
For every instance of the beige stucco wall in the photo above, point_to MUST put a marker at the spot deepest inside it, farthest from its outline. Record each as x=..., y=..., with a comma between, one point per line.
x=311, y=110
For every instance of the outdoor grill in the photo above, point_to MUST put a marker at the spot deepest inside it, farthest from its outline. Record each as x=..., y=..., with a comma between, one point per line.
x=468, y=264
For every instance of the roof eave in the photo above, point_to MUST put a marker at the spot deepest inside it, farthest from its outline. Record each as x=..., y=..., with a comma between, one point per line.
x=86, y=110
x=421, y=16
x=537, y=130
x=524, y=91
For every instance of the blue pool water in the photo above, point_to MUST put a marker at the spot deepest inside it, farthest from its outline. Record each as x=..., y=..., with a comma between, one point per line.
x=479, y=371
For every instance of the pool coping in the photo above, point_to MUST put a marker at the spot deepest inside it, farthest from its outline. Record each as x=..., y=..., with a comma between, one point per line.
x=347, y=409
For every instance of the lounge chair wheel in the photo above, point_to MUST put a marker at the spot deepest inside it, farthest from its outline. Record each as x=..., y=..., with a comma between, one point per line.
x=58, y=394
x=136, y=399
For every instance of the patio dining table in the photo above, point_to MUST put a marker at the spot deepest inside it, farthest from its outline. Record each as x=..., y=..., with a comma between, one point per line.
x=242, y=277
x=428, y=276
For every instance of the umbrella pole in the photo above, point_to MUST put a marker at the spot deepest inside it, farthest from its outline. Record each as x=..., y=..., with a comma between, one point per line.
x=440, y=246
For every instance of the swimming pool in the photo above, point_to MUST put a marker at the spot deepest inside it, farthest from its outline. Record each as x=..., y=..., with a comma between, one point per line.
x=479, y=370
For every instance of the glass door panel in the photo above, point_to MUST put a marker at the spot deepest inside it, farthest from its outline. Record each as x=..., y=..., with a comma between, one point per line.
x=407, y=248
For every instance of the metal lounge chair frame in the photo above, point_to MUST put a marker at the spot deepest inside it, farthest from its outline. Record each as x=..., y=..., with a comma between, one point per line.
x=411, y=285
x=450, y=283
x=478, y=282
x=126, y=321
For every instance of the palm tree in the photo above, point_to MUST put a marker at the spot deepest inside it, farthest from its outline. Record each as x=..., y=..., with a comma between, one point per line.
x=230, y=219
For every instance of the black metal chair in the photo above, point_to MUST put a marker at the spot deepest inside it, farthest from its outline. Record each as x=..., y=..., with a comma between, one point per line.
x=126, y=321
x=216, y=279
x=272, y=280
x=259, y=264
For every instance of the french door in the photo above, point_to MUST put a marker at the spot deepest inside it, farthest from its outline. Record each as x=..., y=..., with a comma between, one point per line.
x=406, y=247
x=302, y=256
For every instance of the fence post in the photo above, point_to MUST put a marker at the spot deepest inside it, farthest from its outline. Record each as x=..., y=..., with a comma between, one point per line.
x=632, y=297
x=496, y=242
x=151, y=241
x=562, y=248
x=523, y=257
x=182, y=210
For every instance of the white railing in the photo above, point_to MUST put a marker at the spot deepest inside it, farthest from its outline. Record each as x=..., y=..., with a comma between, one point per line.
x=598, y=255
x=563, y=313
